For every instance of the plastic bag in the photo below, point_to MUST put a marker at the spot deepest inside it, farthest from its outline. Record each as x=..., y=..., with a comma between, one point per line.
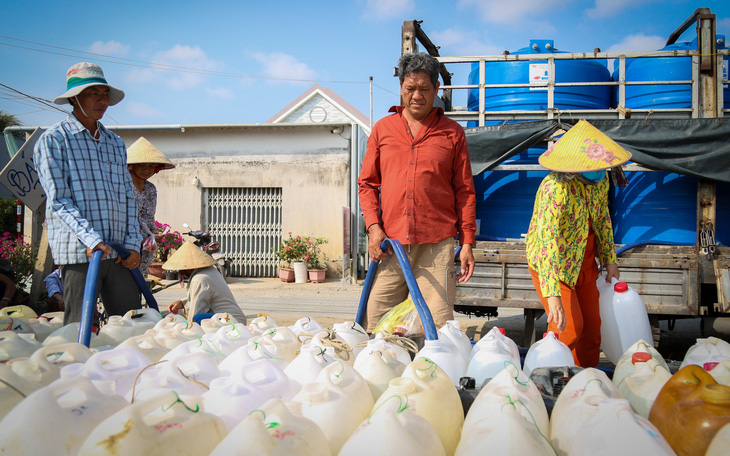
x=402, y=320
x=150, y=244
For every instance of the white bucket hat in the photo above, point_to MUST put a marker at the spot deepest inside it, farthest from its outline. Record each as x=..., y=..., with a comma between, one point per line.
x=83, y=75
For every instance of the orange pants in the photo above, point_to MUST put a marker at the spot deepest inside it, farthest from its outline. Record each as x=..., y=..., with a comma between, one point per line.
x=582, y=332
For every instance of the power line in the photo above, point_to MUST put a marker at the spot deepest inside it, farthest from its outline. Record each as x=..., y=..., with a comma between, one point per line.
x=36, y=99
x=156, y=65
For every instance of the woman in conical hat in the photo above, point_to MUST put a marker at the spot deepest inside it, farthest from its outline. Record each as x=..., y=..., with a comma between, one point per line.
x=143, y=162
x=570, y=229
x=208, y=292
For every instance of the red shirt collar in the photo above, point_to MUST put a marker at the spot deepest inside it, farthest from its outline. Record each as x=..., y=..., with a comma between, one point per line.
x=399, y=109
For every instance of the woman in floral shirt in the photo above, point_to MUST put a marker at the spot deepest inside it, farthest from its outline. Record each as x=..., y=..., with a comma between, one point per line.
x=570, y=228
x=144, y=161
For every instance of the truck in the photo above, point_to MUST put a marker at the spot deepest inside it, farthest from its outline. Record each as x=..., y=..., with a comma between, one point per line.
x=680, y=271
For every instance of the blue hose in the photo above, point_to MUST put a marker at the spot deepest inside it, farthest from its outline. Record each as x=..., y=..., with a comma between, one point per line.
x=87, y=305
x=429, y=328
x=137, y=275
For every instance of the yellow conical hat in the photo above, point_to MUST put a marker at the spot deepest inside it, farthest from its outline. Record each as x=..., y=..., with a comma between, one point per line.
x=584, y=148
x=142, y=151
x=188, y=256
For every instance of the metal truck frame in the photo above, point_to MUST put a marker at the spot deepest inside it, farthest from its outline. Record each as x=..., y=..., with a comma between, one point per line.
x=674, y=281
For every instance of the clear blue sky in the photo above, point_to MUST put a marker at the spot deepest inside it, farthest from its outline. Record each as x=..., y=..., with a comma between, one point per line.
x=249, y=59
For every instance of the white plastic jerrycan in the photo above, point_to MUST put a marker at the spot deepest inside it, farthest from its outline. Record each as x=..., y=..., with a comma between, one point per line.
x=707, y=350
x=216, y=346
x=44, y=366
x=511, y=385
x=497, y=334
x=338, y=376
x=309, y=363
x=148, y=345
x=507, y=430
x=67, y=411
x=396, y=345
x=20, y=312
x=284, y=339
x=394, y=428
x=341, y=349
x=253, y=350
x=44, y=325
x=15, y=345
x=170, y=332
x=16, y=325
x=273, y=429
x=444, y=353
x=333, y=410
x=214, y=323
x=189, y=377
x=258, y=325
x=625, y=364
x=548, y=352
x=720, y=442
x=489, y=360
x=305, y=327
x=167, y=424
x=353, y=334
x=427, y=389
x=111, y=371
x=615, y=430
x=133, y=323
x=378, y=368
x=70, y=334
x=233, y=397
x=13, y=389
x=719, y=371
x=642, y=386
x=624, y=319
x=577, y=402
x=452, y=330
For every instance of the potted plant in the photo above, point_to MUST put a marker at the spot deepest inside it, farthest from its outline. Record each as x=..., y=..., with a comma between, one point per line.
x=291, y=250
x=316, y=266
x=167, y=243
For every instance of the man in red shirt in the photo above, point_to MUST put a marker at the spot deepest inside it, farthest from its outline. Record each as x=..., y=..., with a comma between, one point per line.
x=416, y=186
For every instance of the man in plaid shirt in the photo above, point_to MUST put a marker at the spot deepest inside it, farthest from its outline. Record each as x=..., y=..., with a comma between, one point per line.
x=90, y=203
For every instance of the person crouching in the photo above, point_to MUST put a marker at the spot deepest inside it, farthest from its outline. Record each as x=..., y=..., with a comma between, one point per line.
x=208, y=292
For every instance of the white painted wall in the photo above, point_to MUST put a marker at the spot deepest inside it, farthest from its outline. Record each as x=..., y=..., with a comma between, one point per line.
x=308, y=162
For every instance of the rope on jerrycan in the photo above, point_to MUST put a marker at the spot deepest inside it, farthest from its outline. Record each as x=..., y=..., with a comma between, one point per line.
x=429, y=328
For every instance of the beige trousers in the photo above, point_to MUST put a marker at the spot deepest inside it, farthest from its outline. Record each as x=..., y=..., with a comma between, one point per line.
x=433, y=268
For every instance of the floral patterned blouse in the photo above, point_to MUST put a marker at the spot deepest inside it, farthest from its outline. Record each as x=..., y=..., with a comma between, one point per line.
x=146, y=207
x=557, y=237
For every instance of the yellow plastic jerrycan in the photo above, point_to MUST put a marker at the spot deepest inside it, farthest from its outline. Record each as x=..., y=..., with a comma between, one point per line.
x=428, y=390
x=158, y=426
x=20, y=312
x=690, y=409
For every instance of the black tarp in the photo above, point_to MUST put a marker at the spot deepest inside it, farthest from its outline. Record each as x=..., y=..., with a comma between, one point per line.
x=693, y=147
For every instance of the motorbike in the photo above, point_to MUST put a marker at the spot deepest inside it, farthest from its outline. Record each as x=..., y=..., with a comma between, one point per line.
x=204, y=240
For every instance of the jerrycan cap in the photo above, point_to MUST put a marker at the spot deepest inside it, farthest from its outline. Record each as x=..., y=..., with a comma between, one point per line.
x=502, y=331
x=709, y=366
x=621, y=287
x=640, y=357
x=545, y=334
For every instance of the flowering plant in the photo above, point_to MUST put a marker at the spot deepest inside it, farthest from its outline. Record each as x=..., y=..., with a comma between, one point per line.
x=315, y=257
x=21, y=255
x=293, y=249
x=169, y=240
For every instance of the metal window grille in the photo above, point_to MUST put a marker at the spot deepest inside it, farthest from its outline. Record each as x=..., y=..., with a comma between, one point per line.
x=247, y=223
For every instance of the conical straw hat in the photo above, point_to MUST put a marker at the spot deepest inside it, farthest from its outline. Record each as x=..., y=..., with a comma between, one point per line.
x=142, y=151
x=584, y=148
x=188, y=256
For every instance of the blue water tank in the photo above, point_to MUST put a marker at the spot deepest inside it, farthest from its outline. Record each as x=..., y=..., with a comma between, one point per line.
x=678, y=96
x=535, y=98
